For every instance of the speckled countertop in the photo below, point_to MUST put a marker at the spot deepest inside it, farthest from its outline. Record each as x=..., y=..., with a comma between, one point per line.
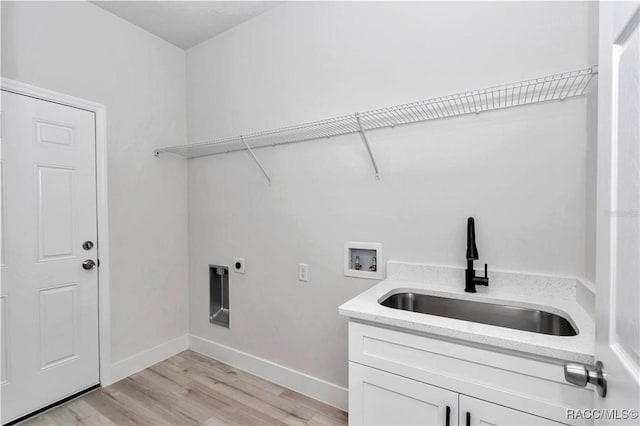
x=562, y=296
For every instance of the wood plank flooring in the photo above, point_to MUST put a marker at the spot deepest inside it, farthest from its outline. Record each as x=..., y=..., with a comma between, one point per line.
x=191, y=389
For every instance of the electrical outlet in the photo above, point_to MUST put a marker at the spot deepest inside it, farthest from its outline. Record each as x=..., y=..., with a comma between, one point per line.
x=303, y=272
x=238, y=265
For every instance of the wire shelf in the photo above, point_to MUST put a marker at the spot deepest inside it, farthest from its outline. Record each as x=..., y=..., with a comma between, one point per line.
x=543, y=89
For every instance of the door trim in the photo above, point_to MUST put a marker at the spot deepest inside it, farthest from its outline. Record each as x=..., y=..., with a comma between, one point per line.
x=100, y=111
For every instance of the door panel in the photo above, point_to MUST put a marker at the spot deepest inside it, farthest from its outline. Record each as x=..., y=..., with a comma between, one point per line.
x=49, y=302
x=54, y=133
x=3, y=212
x=3, y=340
x=618, y=217
x=55, y=212
x=627, y=198
x=380, y=398
x=482, y=413
x=58, y=325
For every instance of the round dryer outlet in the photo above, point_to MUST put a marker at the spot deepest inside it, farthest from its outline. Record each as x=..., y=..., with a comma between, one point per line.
x=238, y=265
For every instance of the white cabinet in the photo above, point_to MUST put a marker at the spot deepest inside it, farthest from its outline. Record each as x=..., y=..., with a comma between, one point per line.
x=475, y=412
x=398, y=377
x=380, y=398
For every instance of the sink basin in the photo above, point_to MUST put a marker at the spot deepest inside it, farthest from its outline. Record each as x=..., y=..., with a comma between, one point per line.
x=526, y=319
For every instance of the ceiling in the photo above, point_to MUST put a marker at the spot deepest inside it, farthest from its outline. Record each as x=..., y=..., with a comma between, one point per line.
x=186, y=23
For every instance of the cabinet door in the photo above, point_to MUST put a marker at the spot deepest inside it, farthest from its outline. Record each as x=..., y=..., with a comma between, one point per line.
x=475, y=412
x=380, y=398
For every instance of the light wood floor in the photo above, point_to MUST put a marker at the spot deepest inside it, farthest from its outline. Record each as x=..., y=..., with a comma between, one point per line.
x=190, y=389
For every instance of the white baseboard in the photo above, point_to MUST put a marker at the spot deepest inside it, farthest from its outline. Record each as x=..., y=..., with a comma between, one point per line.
x=146, y=359
x=313, y=387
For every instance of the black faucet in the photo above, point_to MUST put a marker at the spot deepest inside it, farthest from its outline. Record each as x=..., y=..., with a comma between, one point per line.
x=471, y=281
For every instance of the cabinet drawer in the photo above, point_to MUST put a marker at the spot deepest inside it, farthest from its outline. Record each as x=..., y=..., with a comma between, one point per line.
x=509, y=379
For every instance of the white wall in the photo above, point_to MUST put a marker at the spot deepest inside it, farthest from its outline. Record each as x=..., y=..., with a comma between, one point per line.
x=81, y=50
x=520, y=172
x=591, y=156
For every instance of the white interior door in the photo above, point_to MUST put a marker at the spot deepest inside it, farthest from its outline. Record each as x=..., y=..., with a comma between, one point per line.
x=618, y=221
x=49, y=301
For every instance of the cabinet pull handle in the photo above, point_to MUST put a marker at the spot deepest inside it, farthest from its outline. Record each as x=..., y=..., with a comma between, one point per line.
x=446, y=422
x=468, y=418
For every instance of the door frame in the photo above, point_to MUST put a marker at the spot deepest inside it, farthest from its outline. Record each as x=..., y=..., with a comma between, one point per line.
x=100, y=112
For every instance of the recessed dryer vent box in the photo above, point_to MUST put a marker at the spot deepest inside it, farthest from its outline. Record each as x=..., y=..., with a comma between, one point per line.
x=219, y=295
x=370, y=263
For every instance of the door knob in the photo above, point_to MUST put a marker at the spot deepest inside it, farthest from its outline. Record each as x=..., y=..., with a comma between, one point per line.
x=580, y=375
x=88, y=264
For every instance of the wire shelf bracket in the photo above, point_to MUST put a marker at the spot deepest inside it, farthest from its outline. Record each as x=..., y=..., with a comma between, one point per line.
x=366, y=144
x=250, y=151
x=555, y=87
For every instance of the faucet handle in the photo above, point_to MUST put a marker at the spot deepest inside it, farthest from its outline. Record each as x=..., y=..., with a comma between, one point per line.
x=483, y=280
